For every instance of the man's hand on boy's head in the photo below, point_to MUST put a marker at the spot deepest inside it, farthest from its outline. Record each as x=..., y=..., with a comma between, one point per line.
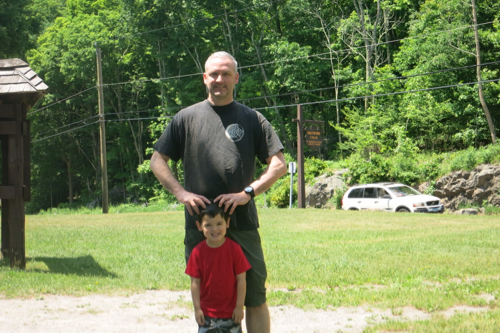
x=238, y=314
x=232, y=200
x=193, y=201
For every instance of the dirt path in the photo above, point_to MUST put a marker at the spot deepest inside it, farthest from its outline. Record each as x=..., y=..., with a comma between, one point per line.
x=169, y=311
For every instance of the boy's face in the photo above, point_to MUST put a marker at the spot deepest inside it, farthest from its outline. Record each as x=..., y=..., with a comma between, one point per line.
x=214, y=229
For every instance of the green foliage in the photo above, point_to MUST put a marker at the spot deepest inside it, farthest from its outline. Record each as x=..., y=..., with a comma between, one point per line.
x=384, y=99
x=464, y=161
x=468, y=159
x=15, y=28
x=490, y=209
x=314, y=167
x=153, y=205
x=338, y=195
x=279, y=195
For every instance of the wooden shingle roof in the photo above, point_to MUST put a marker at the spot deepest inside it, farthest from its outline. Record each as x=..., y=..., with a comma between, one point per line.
x=17, y=77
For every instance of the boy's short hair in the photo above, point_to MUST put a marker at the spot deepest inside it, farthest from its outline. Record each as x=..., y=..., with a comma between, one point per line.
x=212, y=210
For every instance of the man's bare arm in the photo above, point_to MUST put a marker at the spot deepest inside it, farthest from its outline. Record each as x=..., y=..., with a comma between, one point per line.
x=276, y=168
x=159, y=166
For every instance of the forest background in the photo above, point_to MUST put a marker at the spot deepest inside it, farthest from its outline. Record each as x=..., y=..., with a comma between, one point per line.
x=401, y=85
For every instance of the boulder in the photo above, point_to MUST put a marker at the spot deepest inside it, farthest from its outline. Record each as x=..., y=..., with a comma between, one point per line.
x=462, y=188
x=319, y=194
x=468, y=211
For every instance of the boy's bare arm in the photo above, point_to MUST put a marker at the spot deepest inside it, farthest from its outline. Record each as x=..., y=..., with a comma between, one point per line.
x=241, y=290
x=195, y=294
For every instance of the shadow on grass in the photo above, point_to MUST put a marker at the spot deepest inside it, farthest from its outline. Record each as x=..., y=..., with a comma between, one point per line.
x=82, y=266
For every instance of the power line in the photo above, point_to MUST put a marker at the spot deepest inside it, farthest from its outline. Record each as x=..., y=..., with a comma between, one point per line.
x=317, y=55
x=60, y=101
x=132, y=119
x=70, y=130
x=286, y=106
x=147, y=110
x=279, y=95
x=371, y=82
x=256, y=65
x=84, y=121
x=377, y=95
x=76, y=122
x=362, y=47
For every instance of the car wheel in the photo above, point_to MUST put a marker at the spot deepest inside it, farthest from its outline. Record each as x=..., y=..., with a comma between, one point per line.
x=403, y=210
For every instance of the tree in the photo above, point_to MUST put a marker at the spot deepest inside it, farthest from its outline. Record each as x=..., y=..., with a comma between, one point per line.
x=14, y=28
x=441, y=39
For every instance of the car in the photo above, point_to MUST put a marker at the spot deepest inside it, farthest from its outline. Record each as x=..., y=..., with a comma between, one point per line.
x=390, y=197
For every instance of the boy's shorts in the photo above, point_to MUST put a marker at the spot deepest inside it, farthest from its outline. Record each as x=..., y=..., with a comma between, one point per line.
x=214, y=325
x=250, y=243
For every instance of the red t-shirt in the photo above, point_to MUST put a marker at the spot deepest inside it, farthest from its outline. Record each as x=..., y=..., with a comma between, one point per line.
x=217, y=269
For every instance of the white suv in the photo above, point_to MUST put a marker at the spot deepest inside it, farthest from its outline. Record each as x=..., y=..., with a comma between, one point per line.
x=390, y=197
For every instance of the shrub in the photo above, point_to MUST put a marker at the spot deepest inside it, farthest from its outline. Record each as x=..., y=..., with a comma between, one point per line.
x=279, y=195
x=338, y=195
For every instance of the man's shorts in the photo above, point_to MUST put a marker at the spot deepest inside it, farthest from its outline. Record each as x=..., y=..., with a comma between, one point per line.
x=250, y=243
x=214, y=325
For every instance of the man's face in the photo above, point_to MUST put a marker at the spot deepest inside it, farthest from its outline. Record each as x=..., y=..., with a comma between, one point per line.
x=220, y=78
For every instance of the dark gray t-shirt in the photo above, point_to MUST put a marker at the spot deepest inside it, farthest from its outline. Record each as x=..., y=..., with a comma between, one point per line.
x=218, y=146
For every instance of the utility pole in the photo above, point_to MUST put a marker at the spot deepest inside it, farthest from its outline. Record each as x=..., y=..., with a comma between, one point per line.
x=479, y=78
x=102, y=134
x=301, y=186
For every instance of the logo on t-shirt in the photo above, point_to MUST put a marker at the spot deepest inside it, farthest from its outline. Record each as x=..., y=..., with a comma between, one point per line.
x=235, y=132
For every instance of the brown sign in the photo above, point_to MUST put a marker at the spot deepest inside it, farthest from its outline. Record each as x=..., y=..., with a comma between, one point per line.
x=314, y=138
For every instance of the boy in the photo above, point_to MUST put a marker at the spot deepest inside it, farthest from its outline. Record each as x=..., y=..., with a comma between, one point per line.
x=217, y=267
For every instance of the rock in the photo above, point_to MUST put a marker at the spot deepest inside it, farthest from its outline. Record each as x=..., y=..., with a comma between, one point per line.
x=319, y=194
x=468, y=211
x=473, y=188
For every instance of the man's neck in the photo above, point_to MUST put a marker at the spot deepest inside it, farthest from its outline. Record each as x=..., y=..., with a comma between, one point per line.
x=217, y=102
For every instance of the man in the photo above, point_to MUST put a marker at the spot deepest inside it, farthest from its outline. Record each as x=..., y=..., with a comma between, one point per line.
x=218, y=140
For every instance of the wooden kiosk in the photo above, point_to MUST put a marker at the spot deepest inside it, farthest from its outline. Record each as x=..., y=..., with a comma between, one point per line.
x=20, y=88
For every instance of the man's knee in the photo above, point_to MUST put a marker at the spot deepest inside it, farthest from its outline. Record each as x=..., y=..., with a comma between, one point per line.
x=257, y=309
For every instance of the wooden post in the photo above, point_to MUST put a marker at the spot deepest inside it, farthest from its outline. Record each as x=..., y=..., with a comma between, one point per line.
x=104, y=164
x=301, y=187
x=301, y=183
x=5, y=202
x=27, y=160
x=16, y=217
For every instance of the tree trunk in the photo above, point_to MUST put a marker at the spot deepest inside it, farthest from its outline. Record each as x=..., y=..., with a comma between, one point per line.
x=479, y=79
x=70, y=179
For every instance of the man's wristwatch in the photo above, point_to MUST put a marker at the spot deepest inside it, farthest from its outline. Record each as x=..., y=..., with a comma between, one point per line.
x=249, y=190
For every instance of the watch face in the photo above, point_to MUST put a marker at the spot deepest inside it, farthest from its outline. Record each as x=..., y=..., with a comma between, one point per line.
x=250, y=191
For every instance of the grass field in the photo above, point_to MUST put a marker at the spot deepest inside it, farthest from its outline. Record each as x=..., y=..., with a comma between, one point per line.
x=329, y=258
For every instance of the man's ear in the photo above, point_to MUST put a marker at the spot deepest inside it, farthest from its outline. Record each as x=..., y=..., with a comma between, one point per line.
x=199, y=226
x=227, y=223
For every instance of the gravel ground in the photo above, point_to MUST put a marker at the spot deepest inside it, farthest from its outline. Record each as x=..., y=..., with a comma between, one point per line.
x=170, y=311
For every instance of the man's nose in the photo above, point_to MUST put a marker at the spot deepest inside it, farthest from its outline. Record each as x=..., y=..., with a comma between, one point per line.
x=219, y=78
